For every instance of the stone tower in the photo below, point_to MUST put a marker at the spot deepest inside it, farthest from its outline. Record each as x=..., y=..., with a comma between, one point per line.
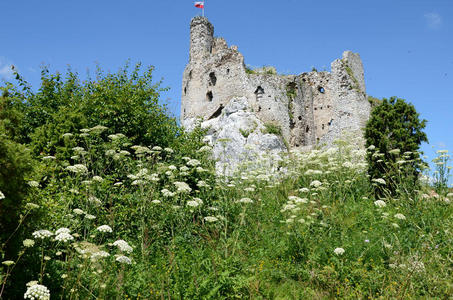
x=312, y=108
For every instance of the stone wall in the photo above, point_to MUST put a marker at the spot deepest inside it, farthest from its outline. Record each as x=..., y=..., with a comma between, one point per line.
x=312, y=108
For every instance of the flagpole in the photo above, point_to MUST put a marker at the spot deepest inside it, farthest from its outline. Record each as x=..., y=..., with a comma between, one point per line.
x=204, y=3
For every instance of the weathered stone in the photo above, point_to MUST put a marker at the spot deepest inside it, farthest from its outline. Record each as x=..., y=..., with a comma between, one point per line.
x=313, y=108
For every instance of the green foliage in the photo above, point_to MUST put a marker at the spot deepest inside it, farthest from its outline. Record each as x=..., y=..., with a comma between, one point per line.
x=374, y=101
x=393, y=135
x=273, y=129
x=126, y=102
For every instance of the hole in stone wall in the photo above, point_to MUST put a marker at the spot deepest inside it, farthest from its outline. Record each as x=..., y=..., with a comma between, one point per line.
x=217, y=113
x=228, y=71
x=307, y=129
x=320, y=107
x=210, y=49
x=259, y=92
x=259, y=108
x=212, y=79
x=323, y=126
x=185, y=90
x=317, y=140
x=190, y=75
x=330, y=122
x=316, y=108
x=300, y=118
x=209, y=96
x=321, y=89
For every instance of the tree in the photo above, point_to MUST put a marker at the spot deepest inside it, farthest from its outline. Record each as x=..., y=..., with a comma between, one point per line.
x=393, y=135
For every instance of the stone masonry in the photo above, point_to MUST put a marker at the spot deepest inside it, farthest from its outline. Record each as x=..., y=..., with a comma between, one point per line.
x=313, y=108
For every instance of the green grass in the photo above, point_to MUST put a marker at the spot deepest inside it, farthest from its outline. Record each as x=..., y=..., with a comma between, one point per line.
x=279, y=245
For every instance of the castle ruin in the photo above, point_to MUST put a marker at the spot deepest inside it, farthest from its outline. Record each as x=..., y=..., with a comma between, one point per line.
x=313, y=108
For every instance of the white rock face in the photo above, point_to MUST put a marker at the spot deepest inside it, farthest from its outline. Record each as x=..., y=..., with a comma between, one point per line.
x=237, y=135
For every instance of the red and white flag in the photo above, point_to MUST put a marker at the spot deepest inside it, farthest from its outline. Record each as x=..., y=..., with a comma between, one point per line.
x=199, y=4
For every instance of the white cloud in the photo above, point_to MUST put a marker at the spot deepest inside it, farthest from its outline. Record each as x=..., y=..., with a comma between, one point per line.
x=433, y=20
x=5, y=69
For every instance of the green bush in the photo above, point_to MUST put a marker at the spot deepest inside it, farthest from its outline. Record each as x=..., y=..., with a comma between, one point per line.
x=393, y=135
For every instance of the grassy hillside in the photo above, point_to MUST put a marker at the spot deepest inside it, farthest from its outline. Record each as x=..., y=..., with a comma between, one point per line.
x=121, y=221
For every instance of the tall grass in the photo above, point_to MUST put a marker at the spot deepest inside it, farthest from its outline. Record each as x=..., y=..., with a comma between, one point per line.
x=123, y=221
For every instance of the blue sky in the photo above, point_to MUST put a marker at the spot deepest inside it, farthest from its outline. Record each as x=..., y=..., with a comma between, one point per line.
x=406, y=46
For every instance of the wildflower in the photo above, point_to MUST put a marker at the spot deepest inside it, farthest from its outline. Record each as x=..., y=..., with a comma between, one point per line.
x=315, y=183
x=168, y=150
x=67, y=134
x=28, y=243
x=99, y=128
x=62, y=230
x=367, y=241
x=304, y=190
x=123, y=246
x=124, y=259
x=94, y=200
x=395, y=151
x=64, y=237
x=395, y=225
x=104, y=228
x=182, y=187
x=193, y=163
x=31, y=206
x=8, y=263
x=167, y=193
x=379, y=180
x=193, y=203
x=99, y=254
x=2, y=196
x=42, y=234
x=78, y=211
x=201, y=183
x=184, y=169
x=125, y=152
x=33, y=183
x=205, y=148
x=74, y=191
x=210, y=219
x=118, y=183
x=37, y=292
x=87, y=182
x=380, y=203
x=49, y=157
x=400, y=217
x=371, y=147
x=338, y=251
x=90, y=217
x=245, y=200
x=63, y=276
x=78, y=149
x=78, y=168
x=156, y=201
x=137, y=182
x=98, y=178
x=157, y=148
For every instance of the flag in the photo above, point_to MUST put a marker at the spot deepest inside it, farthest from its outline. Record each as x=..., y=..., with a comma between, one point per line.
x=199, y=4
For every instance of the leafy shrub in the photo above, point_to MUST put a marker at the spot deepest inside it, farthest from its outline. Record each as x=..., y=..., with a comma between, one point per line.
x=393, y=135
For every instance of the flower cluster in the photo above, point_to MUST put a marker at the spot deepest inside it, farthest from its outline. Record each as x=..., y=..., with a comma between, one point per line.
x=37, y=292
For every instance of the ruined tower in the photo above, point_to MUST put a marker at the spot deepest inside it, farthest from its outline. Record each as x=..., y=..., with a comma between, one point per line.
x=312, y=108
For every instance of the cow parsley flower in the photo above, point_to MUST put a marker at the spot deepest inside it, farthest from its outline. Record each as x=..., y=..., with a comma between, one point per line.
x=379, y=180
x=98, y=178
x=104, y=228
x=8, y=263
x=28, y=243
x=193, y=163
x=90, y=217
x=99, y=254
x=78, y=211
x=77, y=168
x=124, y=259
x=245, y=200
x=182, y=187
x=123, y=246
x=64, y=237
x=193, y=203
x=42, y=234
x=339, y=251
x=400, y=217
x=37, y=292
x=62, y=230
x=33, y=183
x=315, y=183
x=2, y=196
x=210, y=219
x=380, y=203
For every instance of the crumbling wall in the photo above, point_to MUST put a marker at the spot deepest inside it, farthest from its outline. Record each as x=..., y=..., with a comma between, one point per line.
x=308, y=109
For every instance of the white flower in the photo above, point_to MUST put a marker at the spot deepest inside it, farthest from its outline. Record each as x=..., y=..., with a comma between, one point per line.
x=99, y=254
x=67, y=134
x=118, y=183
x=49, y=157
x=380, y=203
x=193, y=163
x=169, y=150
x=98, y=178
x=99, y=128
x=8, y=263
x=62, y=230
x=304, y=190
x=245, y=200
x=395, y=151
x=64, y=237
x=182, y=187
x=167, y=193
x=77, y=168
x=338, y=251
x=94, y=200
x=33, y=183
x=156, y=201
x=124, y=259
x=28, y=243
x=85, y=130
x=42, y=234
x=315, y=183
x=137, y=182
x=201, y=183
x=210, y=219
x=2, y=196
x=379, y=180
x=78, y=211
x=37, y=292
x=157, y=148
x=193, y=203
x=104, y=228
x=90, y=217
x=123, y=246
x=205, y=149
x=400, y=217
